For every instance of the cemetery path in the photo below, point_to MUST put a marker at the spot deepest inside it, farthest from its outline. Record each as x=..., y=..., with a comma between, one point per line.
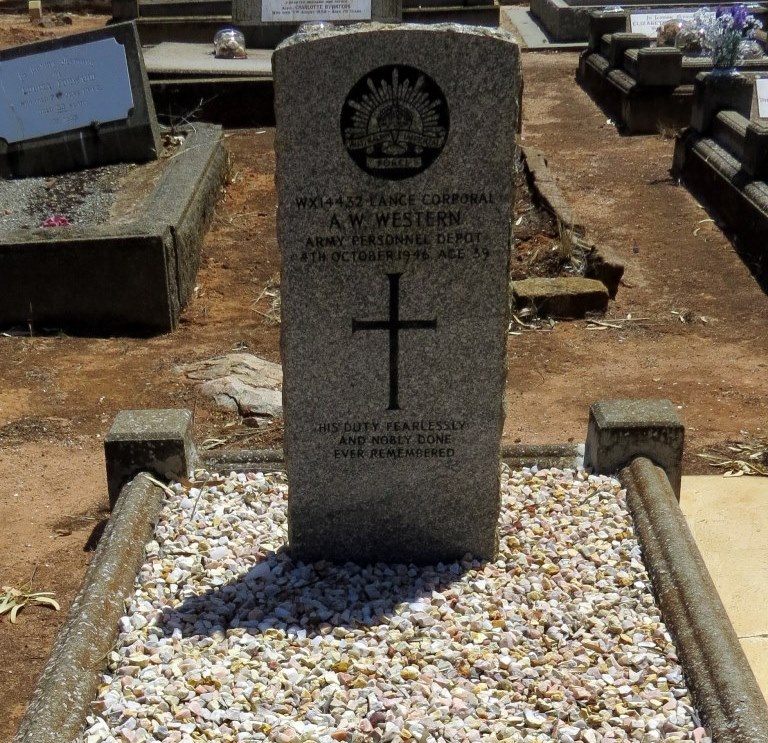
x=697, y=335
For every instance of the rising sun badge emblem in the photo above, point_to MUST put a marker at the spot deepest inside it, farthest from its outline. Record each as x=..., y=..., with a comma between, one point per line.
x=394, y=122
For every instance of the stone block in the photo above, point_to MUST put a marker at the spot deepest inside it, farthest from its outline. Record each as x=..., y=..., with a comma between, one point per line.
x=154, y=441
x=657, y=66
x=567, y=297
x=76, y=102
x=755, y=159
x=620, y=430
x=601, y=23
x=616, y=44
x=606, y=267
x=713, y=93
x=395, y=189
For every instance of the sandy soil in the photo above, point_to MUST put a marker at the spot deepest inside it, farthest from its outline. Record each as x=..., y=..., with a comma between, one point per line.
x=690, y=317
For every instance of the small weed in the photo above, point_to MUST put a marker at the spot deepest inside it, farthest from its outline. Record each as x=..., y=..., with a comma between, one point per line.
x=13, y=600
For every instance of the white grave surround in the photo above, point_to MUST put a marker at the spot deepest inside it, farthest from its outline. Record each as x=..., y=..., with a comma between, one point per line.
x=761, y=92
x=300, y=11
x=64, y=89
x=648, y=23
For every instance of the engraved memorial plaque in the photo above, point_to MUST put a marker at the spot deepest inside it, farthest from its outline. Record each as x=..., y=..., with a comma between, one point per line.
x=75, y=102
x=648, y=23
x=299, y=11
x=64, y=89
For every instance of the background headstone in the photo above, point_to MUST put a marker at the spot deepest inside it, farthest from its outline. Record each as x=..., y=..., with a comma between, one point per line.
x=395, y=158
x=648, y=22
x=75, y=102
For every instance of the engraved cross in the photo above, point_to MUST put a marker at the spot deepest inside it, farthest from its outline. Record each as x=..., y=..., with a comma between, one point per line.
x=394, y=325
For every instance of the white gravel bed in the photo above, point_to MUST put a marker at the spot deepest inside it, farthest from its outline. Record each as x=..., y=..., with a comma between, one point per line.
x=228, y=639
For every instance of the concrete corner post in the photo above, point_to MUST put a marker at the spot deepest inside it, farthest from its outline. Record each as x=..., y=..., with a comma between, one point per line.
x=156, y=441
x=621, y=430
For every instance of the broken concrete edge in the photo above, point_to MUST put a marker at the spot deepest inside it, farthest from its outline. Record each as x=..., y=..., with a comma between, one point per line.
x=541, y=181
x=602, y=263
x=515, y=456
x=722, y=684
x=68, y=684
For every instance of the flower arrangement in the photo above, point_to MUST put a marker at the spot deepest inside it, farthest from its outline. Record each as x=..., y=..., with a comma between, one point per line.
x=725, y=34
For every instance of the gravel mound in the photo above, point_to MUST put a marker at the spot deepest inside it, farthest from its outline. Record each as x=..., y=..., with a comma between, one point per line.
x=228, y=639
x=83, y=197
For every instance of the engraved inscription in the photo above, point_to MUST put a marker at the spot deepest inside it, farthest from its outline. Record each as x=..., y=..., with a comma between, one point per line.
x=63, y=89
x=297, y=11
x=395, y=122
x=393, y=324
x=393, y=439
x=397, y=227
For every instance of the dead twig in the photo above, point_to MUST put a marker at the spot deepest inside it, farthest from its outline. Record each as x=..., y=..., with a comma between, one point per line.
x=751, y=457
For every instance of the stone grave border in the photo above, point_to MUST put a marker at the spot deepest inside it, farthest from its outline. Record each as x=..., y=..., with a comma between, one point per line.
x=139, y=274
x=622, y=434
x=644, y=89
x=565, y=298
x=568, y=20
x=723, y=158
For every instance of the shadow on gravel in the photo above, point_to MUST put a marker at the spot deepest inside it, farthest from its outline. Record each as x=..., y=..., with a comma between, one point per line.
x=298, y=598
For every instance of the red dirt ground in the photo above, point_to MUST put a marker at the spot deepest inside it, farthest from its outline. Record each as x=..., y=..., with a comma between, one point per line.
x=690, y=323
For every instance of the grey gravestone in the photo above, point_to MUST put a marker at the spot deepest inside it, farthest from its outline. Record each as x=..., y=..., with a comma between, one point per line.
x=395, y=158
x=74, y=103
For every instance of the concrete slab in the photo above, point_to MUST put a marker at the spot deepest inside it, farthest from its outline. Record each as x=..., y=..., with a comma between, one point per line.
x=518, y=20
x=127, y=268
x=181, y=58
x=728, y=518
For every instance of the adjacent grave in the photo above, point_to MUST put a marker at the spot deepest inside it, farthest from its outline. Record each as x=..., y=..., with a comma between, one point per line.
x=127, y=261
x=87, y=241
x=645, y=88
x=395, y=189
x=75, y=102
x=723, y=156
x=267, y=22
x=568, y=20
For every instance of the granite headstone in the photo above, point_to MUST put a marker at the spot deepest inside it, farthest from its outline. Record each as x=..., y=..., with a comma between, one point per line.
x=75, y=102
x=395, y=161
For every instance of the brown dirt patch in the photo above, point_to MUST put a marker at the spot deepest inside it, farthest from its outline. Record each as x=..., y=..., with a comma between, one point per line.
x=691, y=327
x=16, y=29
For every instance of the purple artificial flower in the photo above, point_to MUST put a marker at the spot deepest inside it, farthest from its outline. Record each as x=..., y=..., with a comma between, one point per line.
x=739, y=15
